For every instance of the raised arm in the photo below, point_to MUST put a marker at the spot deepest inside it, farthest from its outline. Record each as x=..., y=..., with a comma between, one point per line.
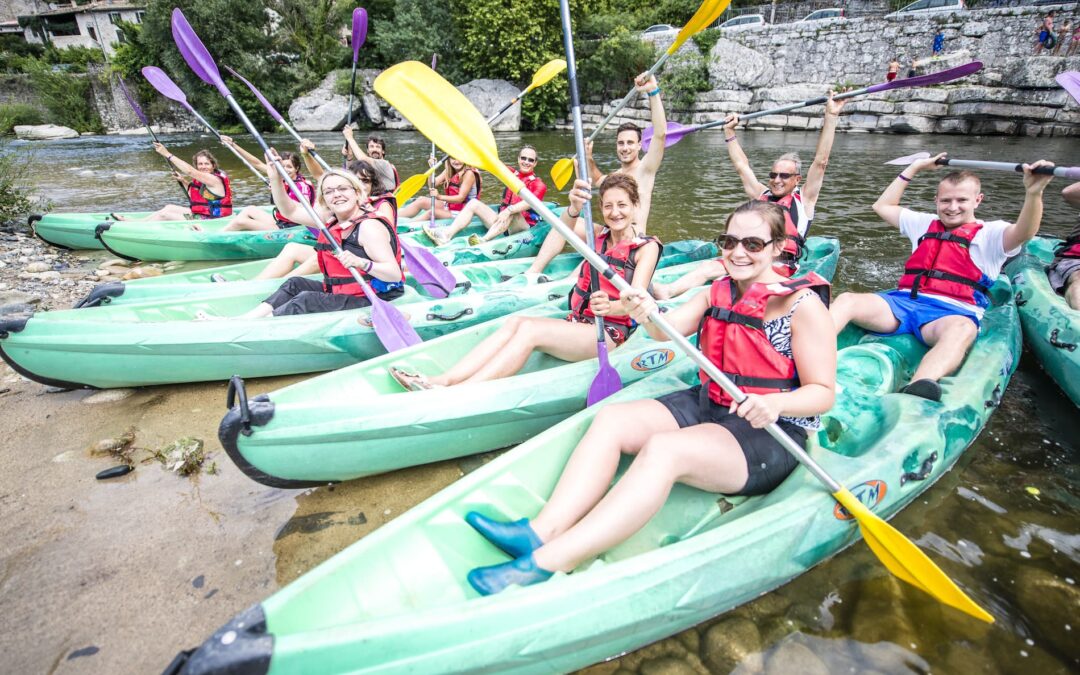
x=255, y=161
x=1027, y=224
x=594, y=171
x=887, y=205
x=649, y=86
x=816, y=175
x=289, y=208
x=751, y=185
x=315, y=169
x=354, y=147
x=208, y=179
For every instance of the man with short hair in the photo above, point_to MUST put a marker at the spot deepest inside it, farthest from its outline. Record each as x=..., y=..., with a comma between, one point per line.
x=641, y=168
x=944, y=291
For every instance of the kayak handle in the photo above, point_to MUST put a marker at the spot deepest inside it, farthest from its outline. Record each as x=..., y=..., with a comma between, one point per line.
x=449, y=317
x=1019, y=299
x=12, y=325
x=923, y=472
x=510, y=247
x=1070, y=346
x=465, y=286
x=236, y=388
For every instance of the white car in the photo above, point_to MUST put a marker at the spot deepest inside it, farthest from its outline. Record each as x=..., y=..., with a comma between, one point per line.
x=929, y=8
x=659, y=29
x=832, y=13
x=742, y=22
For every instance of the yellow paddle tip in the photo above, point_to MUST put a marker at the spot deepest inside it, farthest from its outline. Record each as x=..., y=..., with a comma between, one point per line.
x=562, y=172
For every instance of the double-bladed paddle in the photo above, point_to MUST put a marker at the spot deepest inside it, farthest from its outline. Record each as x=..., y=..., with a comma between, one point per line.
x=431, y=180
x=443, y=114
x=146, y=123
x=1070, y=172
x=676, y=131
x=391, y=327
x=422, y=263
x=1070, y=82
x=167, y=88
x=359, y=34
x=607, y=380
x=545, y=74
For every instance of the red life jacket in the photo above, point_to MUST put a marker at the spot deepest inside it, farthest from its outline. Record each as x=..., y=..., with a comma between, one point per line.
x=623, y=259
x=942, y=264
x=453, y=188
x=793, y=215
x=336, y=277
x=732, y=336
x=535, y=184
x=206, y=204
x=307, y=192
x=1070, y=248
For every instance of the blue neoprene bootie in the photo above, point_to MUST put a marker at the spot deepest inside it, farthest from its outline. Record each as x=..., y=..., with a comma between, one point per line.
x=494, y=579
x=516, y=539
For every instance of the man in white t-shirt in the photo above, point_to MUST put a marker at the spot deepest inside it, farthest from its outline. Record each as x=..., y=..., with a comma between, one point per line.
x=955, y=259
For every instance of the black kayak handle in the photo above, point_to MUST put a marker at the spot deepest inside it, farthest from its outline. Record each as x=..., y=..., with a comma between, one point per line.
x=509, y=247
x=1069, y=346
x=1020, y=301
x=923, y=472
x=449, y=317
x=237, y=389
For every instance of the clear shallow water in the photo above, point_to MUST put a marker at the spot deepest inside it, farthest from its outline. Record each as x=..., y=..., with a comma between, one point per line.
x=1002, y=523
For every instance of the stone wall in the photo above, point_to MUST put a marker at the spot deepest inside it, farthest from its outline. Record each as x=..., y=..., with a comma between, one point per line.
x=762, y=68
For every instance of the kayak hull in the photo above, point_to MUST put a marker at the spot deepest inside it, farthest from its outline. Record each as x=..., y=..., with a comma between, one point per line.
x=397, y=601
x=1051, y=327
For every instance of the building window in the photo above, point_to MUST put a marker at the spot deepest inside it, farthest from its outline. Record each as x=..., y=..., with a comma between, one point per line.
x=93, y=33
x=62, y=27
x=139, y=17
x=114, y=18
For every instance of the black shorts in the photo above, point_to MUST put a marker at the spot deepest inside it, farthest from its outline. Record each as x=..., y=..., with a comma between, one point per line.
x=767, y=462
x=306, y=296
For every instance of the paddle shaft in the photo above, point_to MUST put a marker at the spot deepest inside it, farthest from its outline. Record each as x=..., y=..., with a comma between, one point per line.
x=579, y=145
x=629, y=96
x=680, y=341
x=234, y=151
x=348, y=123
x=146, y=125
x=785, y=108
x=1070, y=172
x=431, y=178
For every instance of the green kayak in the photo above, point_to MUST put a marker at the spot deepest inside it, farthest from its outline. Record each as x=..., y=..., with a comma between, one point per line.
x=397, y=600
x=312, y=432
x=201, y=281
x=159, y=342
x=1051, y=327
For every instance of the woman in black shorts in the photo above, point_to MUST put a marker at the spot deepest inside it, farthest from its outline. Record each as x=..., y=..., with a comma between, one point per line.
x=772, y=335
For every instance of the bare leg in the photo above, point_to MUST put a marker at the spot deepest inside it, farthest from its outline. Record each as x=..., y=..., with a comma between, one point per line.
x=865, y=310
x=553, y=246
x=169, y=212
x=1072, y=290
x=261, y=310
x=705, y=456
x=292, y=255
x=414, y=207
x=567, y=341
x=517, y=223
x=949, y=338
x=473, y=208
x=252, y=218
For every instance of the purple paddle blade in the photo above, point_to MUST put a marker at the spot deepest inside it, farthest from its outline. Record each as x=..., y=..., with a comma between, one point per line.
x=262, y=99
x=195, y=54
x=1070, y=82
x=131, y=101
x=675, y=133
x=359, y=31
x=428, y=271
x=607, y=380
x=930, y=79
x=163, y=83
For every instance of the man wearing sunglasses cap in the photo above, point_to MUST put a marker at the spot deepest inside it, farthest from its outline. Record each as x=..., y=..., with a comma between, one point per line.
x=642, y=169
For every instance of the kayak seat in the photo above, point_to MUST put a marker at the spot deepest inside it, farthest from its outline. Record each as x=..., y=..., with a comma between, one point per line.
x=864, y=373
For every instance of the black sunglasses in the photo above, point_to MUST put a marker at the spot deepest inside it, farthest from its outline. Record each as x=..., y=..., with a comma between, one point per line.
x=782, y=176
x=523, y=158
x=728, y=242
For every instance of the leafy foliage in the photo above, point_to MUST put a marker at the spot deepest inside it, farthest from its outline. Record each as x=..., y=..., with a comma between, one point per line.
x=16, y=114
x=14, y=168
x=67, y=97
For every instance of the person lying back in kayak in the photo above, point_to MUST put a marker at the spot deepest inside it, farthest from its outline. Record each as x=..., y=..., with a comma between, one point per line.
x=209, y=192
x=574, y=339
x=462, y=184
x=370, y=246
x=955, y=258
x=1064, y=271
x=514, y=215
x=752, y=324
x=632, y=163
x=255, y=218
x=784, y=188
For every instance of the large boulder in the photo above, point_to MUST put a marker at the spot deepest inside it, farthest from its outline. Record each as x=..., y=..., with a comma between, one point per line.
x=321, y=109
x=489, y=96
x=43, y=132
x=733, y=66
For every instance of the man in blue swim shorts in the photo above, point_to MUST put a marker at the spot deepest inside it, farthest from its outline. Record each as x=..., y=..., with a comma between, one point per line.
x=955, y=258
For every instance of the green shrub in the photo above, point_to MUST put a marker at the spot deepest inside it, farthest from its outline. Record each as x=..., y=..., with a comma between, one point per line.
x=66, y=96
x=606, y=69
x=14, y=168
x=14, y=114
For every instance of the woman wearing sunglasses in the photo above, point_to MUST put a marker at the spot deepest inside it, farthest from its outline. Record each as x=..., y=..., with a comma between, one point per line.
x=514, y=215
x=770, y=334
x=461, y=182
x=505, y=352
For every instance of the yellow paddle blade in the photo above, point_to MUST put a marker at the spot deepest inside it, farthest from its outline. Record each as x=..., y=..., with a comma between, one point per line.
x=547, y=71
x=562, y=171
x=442, y=113
x=410, y=186
x=906, y=560
x=703, y=17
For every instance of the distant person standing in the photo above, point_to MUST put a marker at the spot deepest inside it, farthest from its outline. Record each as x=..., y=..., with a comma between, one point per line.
x=1062, y=36
x=894, y=69
x=939, y=43
x=1047, y=39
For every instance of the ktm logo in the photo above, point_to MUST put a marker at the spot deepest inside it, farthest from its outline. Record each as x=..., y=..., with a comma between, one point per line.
x=652, y=359
x=869, y=493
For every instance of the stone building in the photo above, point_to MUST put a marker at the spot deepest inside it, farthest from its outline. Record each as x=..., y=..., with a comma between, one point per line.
x=92, y=24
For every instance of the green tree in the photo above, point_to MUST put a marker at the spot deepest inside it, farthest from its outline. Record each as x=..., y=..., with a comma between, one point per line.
x=312, y=30
x=421, y=28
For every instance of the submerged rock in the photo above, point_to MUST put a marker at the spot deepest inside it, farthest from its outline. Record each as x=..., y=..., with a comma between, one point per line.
x=43, y=132
x=728, y=642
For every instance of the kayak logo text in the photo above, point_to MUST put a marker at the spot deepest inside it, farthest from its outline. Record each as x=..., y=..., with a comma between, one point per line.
x=652, y=359
x=869, y=493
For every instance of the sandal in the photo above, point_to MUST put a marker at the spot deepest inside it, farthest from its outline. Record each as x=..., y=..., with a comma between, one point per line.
x=434, y=235
x=410, y=381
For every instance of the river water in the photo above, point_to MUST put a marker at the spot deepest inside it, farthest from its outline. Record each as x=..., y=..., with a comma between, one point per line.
x=119, y=576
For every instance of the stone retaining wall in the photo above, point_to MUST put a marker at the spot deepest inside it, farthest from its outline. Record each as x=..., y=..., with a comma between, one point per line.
x=761, y=68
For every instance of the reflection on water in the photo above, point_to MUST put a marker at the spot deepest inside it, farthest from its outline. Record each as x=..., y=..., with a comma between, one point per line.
x=1002, y=523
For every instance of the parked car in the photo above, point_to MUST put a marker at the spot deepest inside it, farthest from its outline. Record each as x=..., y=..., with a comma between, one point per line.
x=929, y=7
x=832, y=13
x=744, y=21
x=659, y=30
